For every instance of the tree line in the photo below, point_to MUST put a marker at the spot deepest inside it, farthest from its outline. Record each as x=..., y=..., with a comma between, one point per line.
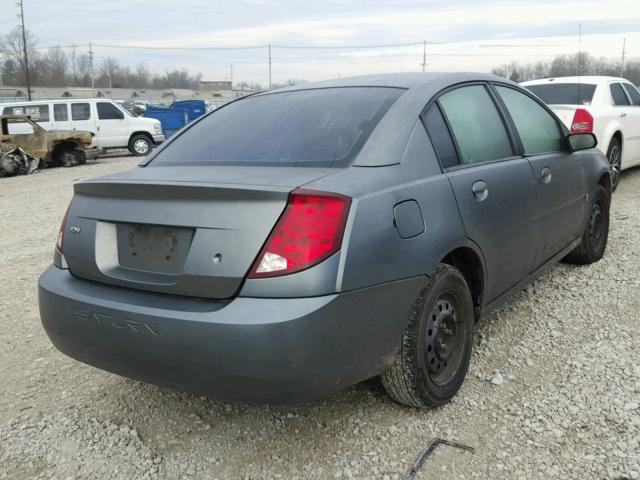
x=69, y=67
x=571, y=65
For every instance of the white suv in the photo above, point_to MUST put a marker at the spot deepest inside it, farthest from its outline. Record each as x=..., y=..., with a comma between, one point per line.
x=112, y=125
x=608, y=107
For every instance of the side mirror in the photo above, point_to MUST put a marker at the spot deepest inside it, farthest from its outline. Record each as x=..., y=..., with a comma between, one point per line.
x=581, y=141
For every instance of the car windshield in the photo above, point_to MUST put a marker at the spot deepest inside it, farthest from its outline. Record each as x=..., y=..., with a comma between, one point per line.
x=564, y=93
x=316, y=127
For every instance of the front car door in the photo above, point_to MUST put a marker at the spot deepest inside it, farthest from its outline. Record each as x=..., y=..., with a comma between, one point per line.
x=113, y=127
x=494, y=188
x=561, y=179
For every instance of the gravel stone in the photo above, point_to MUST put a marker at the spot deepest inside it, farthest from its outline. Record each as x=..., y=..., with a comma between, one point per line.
x=564, y=352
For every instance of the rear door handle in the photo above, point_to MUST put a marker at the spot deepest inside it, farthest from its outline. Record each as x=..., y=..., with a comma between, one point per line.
x=623, y=114
x=480, y=190
x=545, y=175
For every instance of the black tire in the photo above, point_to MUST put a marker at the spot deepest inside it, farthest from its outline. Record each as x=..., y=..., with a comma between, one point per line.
x=424, y=373
x=596, y=232
x=68, y=156
x=614, y=155
x=140, y=145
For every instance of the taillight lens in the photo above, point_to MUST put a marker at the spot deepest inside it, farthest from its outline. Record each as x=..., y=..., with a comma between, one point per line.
x=582, y=122
x=309, y=230
x=60, y=242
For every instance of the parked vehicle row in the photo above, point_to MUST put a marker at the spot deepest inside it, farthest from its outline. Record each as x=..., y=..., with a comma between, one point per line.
x=112, y=125
x=295, y=242
x=609, y=107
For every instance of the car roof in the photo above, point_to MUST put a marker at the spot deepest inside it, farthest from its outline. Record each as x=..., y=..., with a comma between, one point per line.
x=396, y=80
x=594, y=79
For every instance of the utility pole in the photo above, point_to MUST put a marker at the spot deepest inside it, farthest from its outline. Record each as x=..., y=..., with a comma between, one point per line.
x=624, y=45
x=424, y=56
x=231, y=74
x=269, y=50
x=91, y=65
x=24, y=49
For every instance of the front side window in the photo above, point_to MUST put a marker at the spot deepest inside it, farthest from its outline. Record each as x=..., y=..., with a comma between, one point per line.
x=80, y=111
x=60, y=112
x=633, y=94
x=324, y=127
x=476, y=124
x=108, y=111
x=617, y=95
x=538, y=130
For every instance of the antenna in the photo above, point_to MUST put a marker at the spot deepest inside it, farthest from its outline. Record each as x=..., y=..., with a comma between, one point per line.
x=24, y=48
x=424, y=56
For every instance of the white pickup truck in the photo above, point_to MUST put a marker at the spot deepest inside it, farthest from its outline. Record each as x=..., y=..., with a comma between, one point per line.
x=608, y=107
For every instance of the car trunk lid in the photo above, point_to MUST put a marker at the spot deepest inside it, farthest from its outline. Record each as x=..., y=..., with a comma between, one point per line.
x=183, y=231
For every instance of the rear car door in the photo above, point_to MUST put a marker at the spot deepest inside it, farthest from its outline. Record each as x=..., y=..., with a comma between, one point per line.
x=494, y=188
x=632, y=134
x=561, y=181
x=623, y=109
x=113, y=127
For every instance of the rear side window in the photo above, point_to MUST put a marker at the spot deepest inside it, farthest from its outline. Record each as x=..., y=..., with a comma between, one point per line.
x=617, y=95
x=60, y=112
x=476, y=124
x=324, y=127
x=38, y=113
x=440, y=137
x=633, y=93
x=538, y=130
x=564, y=93
x=80, y=111
x=108, y=111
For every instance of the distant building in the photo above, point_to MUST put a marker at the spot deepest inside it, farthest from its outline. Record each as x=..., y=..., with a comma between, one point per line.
x=214, y=85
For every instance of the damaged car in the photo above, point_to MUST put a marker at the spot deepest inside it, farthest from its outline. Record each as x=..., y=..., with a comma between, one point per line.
x=26, y=147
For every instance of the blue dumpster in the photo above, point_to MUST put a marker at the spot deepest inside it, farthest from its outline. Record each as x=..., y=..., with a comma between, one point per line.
x=195, y=108
x=177, y=115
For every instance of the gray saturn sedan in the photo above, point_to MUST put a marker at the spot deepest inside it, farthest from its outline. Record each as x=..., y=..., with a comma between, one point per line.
x=298, y=241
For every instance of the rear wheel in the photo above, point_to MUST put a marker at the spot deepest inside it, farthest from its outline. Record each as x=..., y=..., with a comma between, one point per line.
x=596, y=233
x=140, y=144
x=614, y=155
x=436, y=346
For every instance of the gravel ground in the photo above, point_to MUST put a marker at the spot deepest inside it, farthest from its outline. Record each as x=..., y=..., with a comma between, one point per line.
x=553, y=390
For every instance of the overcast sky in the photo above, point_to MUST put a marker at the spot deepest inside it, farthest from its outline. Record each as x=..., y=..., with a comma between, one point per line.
x=473, y=34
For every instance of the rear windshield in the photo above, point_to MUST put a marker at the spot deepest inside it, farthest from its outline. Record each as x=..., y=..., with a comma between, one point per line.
x=321, y=127
x=564, y=93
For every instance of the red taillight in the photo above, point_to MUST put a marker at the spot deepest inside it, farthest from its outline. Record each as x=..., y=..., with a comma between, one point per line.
x=582, y=122
x=60, y=242
x=309, y=230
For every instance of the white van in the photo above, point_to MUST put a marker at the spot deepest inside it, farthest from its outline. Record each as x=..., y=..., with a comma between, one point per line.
x=112, y=125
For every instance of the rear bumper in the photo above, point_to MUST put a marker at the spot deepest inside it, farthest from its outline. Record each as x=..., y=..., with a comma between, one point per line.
x=158, y=139
x=248, y=349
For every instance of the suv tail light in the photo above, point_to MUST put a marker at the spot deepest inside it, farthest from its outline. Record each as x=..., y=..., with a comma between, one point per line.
x=582, y=122
x=309, y=230
x=60, y=242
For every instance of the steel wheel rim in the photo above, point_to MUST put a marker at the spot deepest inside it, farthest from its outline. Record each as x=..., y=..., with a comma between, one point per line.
x=444, y=340
x=615, y=164
x=596, y=226
x=141, y=146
